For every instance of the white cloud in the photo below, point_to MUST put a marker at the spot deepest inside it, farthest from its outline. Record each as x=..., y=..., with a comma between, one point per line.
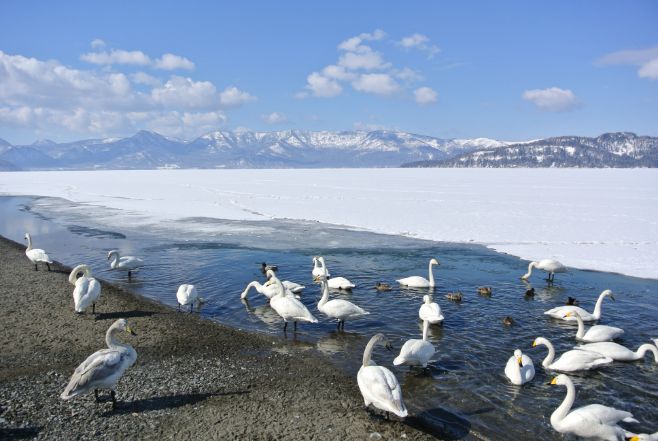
x=369, y=127
x=233, y=97
x=117, y=56
x=649, y=70
x=337, y=72
x=367, y=60
x=186, y=93
x=353, y=44
x=144, y=78
x=95, y=44
x=552, y=99
x=425, y=95
x=274, y=118
x=322, y=86
x=408, y=74
x=377, y=83
x=647, y=59
x=420, y=42
x=173, y=62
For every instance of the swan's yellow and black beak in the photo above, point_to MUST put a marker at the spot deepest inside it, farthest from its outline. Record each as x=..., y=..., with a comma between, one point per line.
x=534, y=344
x=612, y=297
x=130, y=331
x=520, y=361
x=554, y=380
x=568, y=314
x=634, y=438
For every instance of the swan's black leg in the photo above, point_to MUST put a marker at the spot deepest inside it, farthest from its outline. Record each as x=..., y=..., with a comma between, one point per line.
x=388, y=417
x=93, y=308
x=295, y=326
x=191, y=306
x=179, y=306
x=338, y=326
x=36, y=268
x=285, y=326
x=113, y=396
x=129, y=275
x=98, y=400
x=48, y=265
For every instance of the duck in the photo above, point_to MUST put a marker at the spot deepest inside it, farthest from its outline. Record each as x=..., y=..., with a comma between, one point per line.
x=318, y=269
x=572, y=301
x=288, y=307
x=125, y=263
x=485, y=291
x=420, y=282
x=87, y=289
x=416, y=352
x=618, y=352
x=265, y=267
x=591, y=421
x=334, y=282
x=187, y=295
x=339, y=309
x=377, y=384
x=454, y=296
x=550, y=266
x=379, y=286
x=560, y=312
x=430, y=311
x=104, y=368
x=508, y=321
x=36, y=255
x=530, y=292
x=597, y=333
x=571, y=361
x=519, y=368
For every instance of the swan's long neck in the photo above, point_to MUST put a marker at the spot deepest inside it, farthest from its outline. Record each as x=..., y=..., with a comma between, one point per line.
x=114, y=259
x=325, y=293
x=253, y=284
x=29, y=242
x=431, y=274
x=73, y=277
x=551, y=354
x=563, y=410
x=367, y=353
x=597, y=307
x=530, y=267
x=516, y=370
x=426, y=327
x=112, y=343
x=581, y=326
x=647, y=348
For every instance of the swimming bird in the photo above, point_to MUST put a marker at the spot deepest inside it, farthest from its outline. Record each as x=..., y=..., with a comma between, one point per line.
x=591, y=421
x=265, y=267
x=485, y=291
x=36, y=255
x=125, y=263
x=550, y=266
x=420, y=282
x=571, y=361
x=288, y=307
x=618, y=352
x=519, y=368
x=416, y=352
x=572, y=301
x=379, y=286
x=508, y=321
x=454, y=296
x=560, y=312
x=377, y=384
x=430, y=311
x=318, y=269
x=339, y=309
x=595, y=333
x=334, y=282
x=187, y=295
x=530, y=292
x=104, y=368
x=87, y=289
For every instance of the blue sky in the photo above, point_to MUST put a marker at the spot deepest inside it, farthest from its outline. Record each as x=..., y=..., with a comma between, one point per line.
x=503, y=70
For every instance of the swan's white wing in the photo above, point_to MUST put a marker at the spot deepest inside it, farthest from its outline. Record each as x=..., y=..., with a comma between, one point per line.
x=88, y=290
x=343, y=309
x=415, y=352
x=607, y=415
x=414, y=282
x=560, y=311
x=295, y=288
x=579, y=360
x=609, y=349
x=130, y=263
x=431, y=312
x=340, y=283
x=289, y=308
x=601, y=333
x=96, y=370
x=38, y=255
x=379, y=386
x=186, y=294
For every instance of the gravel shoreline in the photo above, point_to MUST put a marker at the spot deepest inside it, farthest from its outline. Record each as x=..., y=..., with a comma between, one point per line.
x=194, y=378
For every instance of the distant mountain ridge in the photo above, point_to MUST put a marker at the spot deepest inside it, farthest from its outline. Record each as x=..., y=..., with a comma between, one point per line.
x=241, y=149
x=324, y=149
x=620, y=149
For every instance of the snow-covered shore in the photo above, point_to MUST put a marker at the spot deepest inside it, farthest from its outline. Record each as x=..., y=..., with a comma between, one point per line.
x=601, y=219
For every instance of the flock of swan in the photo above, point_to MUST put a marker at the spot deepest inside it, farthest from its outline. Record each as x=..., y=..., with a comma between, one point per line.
x=377, y=384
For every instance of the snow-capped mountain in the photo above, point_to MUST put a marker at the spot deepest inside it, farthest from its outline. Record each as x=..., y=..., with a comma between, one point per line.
x=242, y=149
x=621, y=149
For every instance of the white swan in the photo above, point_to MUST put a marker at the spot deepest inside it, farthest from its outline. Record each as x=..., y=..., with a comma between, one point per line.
x=618, y=352
x=288, y=307
x=36, y=255
x=592, y=421
x=571, y=361
x=560, y=312
x=430, y=311
x=334, y=282
x=420, y=282
x=339, y=309
x=416, y=352
x=519, y=368
x=377, y=384
x=126, y=263
x=269, y=290
x=104, y=368
x=187, y=295
x=548, y=265
x=318, y=269
x=595, y=333
x=87, y=289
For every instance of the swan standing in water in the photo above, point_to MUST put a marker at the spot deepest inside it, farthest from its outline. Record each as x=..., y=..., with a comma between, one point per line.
x=334, y=282
x=548, y=265
x=420, y=282
x=430, y=311
x=571, y=361
x=187, y=295
x=318, y=269
x=416, y=352
x=377, y=384
x=104, y=368
x=87, y=289
x=338, y=309
x=596, y=333
x=288, y=307
x=126, y=263
x=618, y=352
x=560, y=312
x=519, y=368
x=36, y=255
x=592, y=421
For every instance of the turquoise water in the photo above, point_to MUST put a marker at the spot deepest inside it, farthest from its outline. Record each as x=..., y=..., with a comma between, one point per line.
x=464, y=393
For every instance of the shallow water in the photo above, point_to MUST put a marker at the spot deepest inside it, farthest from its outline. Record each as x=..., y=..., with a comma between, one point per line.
x=464, y=393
